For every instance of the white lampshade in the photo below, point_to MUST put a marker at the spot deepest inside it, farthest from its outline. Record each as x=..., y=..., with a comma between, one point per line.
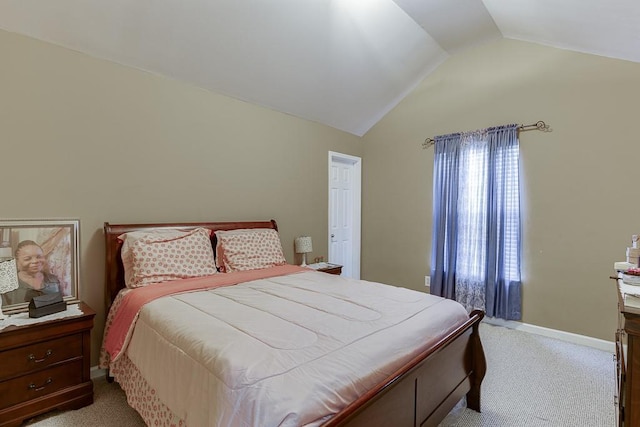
x=8, y=276
x=8, y=279
x=303, y=245
x=5, y=252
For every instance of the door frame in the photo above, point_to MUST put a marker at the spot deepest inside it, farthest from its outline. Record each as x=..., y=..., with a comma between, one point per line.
x=356, y=243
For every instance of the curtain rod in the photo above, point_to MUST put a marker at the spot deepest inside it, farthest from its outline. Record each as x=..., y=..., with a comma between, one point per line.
x=539, y=125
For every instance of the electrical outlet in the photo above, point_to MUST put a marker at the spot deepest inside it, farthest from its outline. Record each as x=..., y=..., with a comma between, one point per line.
x=427, y=281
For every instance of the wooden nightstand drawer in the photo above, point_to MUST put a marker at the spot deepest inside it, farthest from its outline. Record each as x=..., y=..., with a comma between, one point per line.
x=40, y=383
x=38, y=356
x=327, y=267
x=333, y=270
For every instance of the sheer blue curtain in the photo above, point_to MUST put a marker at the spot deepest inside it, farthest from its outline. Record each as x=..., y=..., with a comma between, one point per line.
x=475, y=244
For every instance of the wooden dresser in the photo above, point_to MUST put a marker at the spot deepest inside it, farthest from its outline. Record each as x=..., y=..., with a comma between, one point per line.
x=44, y=366
x=628, y=358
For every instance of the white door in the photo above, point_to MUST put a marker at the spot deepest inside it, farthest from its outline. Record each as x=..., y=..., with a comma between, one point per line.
x=344, y=212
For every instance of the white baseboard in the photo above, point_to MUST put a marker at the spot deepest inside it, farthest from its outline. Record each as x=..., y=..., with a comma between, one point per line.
x=599, y=344
x=97, y=372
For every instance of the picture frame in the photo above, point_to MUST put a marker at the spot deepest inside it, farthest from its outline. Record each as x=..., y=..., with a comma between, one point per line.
x=46, y=253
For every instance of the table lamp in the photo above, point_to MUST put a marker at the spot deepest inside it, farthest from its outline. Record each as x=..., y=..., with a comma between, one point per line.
x=8, y=274
x=303, y=246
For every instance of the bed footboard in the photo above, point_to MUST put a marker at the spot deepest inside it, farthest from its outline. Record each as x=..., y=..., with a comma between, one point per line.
x=425, y=390
x=480, y=367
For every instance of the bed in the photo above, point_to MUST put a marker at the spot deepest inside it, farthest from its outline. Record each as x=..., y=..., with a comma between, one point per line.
x=414, y=381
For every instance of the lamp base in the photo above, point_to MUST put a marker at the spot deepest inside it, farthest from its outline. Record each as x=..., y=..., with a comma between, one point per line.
x=304, y=260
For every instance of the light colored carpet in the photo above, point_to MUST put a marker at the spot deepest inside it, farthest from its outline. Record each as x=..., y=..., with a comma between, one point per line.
x=109, y=409
x=536, y=381
x=531, y=381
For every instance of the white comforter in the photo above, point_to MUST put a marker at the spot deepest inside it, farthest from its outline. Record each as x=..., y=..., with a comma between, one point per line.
x=285, y=351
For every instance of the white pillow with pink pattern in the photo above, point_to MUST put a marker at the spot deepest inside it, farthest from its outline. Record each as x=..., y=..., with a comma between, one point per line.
x=248, y=249
x=164, y=255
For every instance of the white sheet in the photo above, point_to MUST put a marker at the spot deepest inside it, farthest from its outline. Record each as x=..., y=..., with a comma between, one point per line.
x=285, y=351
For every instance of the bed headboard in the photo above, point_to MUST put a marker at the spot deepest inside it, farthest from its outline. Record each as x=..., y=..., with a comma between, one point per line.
x=114, y=270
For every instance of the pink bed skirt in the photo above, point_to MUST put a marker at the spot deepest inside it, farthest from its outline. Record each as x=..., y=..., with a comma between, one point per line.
x=141, y=396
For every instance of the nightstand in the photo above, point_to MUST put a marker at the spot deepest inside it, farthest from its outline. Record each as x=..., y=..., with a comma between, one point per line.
x=326, y=267
x=45, y=366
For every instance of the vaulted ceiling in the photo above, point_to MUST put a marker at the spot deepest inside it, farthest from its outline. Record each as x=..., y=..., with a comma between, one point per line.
x=343, y=63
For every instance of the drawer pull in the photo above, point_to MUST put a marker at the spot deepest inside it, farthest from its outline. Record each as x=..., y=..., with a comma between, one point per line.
x=32, y=357
x=33, y=387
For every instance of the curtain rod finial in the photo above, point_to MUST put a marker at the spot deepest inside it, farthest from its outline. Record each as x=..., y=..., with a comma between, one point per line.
x=543, y=126
x=428, y=143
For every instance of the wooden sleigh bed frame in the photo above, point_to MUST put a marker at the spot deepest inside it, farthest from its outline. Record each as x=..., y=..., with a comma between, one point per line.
x=421, y=393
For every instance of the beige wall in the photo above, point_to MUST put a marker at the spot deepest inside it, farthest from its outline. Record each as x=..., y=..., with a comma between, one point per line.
x=92, y=140
x=580, y=194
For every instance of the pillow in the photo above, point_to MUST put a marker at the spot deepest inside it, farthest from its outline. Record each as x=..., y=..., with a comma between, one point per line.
x=248, y=249
x=128, y=239
x=165, y=255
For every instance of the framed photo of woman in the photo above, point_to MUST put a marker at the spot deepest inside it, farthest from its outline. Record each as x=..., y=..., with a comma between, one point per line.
x=46, y=256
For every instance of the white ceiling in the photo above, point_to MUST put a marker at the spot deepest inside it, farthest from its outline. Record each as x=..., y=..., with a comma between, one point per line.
x=343, y=63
